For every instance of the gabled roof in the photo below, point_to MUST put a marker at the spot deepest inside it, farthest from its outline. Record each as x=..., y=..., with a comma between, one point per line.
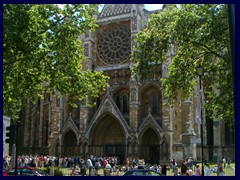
x=70, y=125
x=108, y=106
x=149, y=121
x=115, y=9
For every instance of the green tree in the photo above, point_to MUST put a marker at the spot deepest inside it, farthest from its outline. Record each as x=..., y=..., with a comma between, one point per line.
x=42, y=53
x=197, y=34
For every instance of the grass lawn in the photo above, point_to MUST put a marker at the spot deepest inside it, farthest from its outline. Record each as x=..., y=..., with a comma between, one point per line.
x=229, y=171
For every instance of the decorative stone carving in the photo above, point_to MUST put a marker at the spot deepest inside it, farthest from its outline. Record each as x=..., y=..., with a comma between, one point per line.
x=114, y=44
x=133, y=91
x=115, y=9
x=134, y=21
x=107, y=106
x=86, y=50
x=133, y=94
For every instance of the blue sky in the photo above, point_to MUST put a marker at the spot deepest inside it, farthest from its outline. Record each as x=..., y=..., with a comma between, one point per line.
x=151, y=7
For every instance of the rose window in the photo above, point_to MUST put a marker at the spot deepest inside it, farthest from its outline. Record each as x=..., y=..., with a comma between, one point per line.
x=114, y=44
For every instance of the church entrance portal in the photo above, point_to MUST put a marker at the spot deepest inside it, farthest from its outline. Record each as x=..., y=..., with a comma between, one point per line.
x=70, y=144
x=150, y=148
x=108, y=138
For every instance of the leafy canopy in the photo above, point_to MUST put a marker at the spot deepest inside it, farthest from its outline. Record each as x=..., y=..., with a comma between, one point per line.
x=194, y=34
x=42, y=53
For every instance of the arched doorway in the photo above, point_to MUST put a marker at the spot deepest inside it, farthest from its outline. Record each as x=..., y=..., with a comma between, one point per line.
x=108, y=138
x=70, y=144
x=150, y=148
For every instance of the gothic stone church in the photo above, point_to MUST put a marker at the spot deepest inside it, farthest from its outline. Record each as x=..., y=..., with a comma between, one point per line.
x=130, y=119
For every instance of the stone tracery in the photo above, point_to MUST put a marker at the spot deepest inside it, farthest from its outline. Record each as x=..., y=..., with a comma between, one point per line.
x=114, y=44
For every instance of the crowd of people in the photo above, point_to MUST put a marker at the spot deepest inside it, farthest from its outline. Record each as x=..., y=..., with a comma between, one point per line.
x=91, y=165
x=74, y=163
x=192, y=168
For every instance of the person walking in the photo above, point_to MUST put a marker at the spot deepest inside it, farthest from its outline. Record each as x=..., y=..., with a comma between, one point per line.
x=224, y=162
x=127, y=163
x=74, y=172
x=183, y=168
x=97, y=166
x=90, y=166
x=83, y=170
x=207, y=170
x=117, y=171
x=173, y=164
x=198, y=171
x=108, y=169
x=175, y=170
x=164, y=169
x=220, y=169
x=32, y=163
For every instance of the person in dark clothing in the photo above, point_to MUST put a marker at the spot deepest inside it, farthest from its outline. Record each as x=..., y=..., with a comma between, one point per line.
x=32, y=163
x=173, y=163
x=183, y=168
x=83, y=170
x=164, y=169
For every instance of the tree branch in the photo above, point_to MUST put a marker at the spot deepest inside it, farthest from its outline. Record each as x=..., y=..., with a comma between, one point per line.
x=200, y=44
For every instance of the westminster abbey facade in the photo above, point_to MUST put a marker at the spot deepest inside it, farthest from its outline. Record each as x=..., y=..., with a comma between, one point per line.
x=130, y=119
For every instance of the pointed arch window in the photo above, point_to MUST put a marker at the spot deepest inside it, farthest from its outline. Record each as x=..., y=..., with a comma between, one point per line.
x=154, y=105
x=125, y=104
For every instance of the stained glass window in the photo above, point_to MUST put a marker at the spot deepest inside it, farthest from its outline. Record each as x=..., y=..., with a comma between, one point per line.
x=154, y=105
x=114, y=44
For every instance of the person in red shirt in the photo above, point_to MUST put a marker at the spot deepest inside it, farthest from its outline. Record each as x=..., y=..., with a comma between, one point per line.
x=127, y=162
x=105, y=162
x=41, y=159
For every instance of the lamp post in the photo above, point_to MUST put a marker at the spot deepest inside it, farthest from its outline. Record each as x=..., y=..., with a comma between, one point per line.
x=200, y=73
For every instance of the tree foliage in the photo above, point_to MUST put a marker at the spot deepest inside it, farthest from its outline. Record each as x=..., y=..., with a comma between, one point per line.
x=200, y=35
x=42, y=52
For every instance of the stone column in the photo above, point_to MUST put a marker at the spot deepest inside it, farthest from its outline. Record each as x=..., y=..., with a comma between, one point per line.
x=26, y=125
x=134, y=106
x=190, y=135
x=33, y=124
x=135, y=147
x=218, y=139
x=86, y=150
x=84, y=117
x=167, y=114
x=40, y=133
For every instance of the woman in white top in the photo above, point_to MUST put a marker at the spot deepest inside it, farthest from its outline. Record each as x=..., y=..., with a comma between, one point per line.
x=207, y=170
